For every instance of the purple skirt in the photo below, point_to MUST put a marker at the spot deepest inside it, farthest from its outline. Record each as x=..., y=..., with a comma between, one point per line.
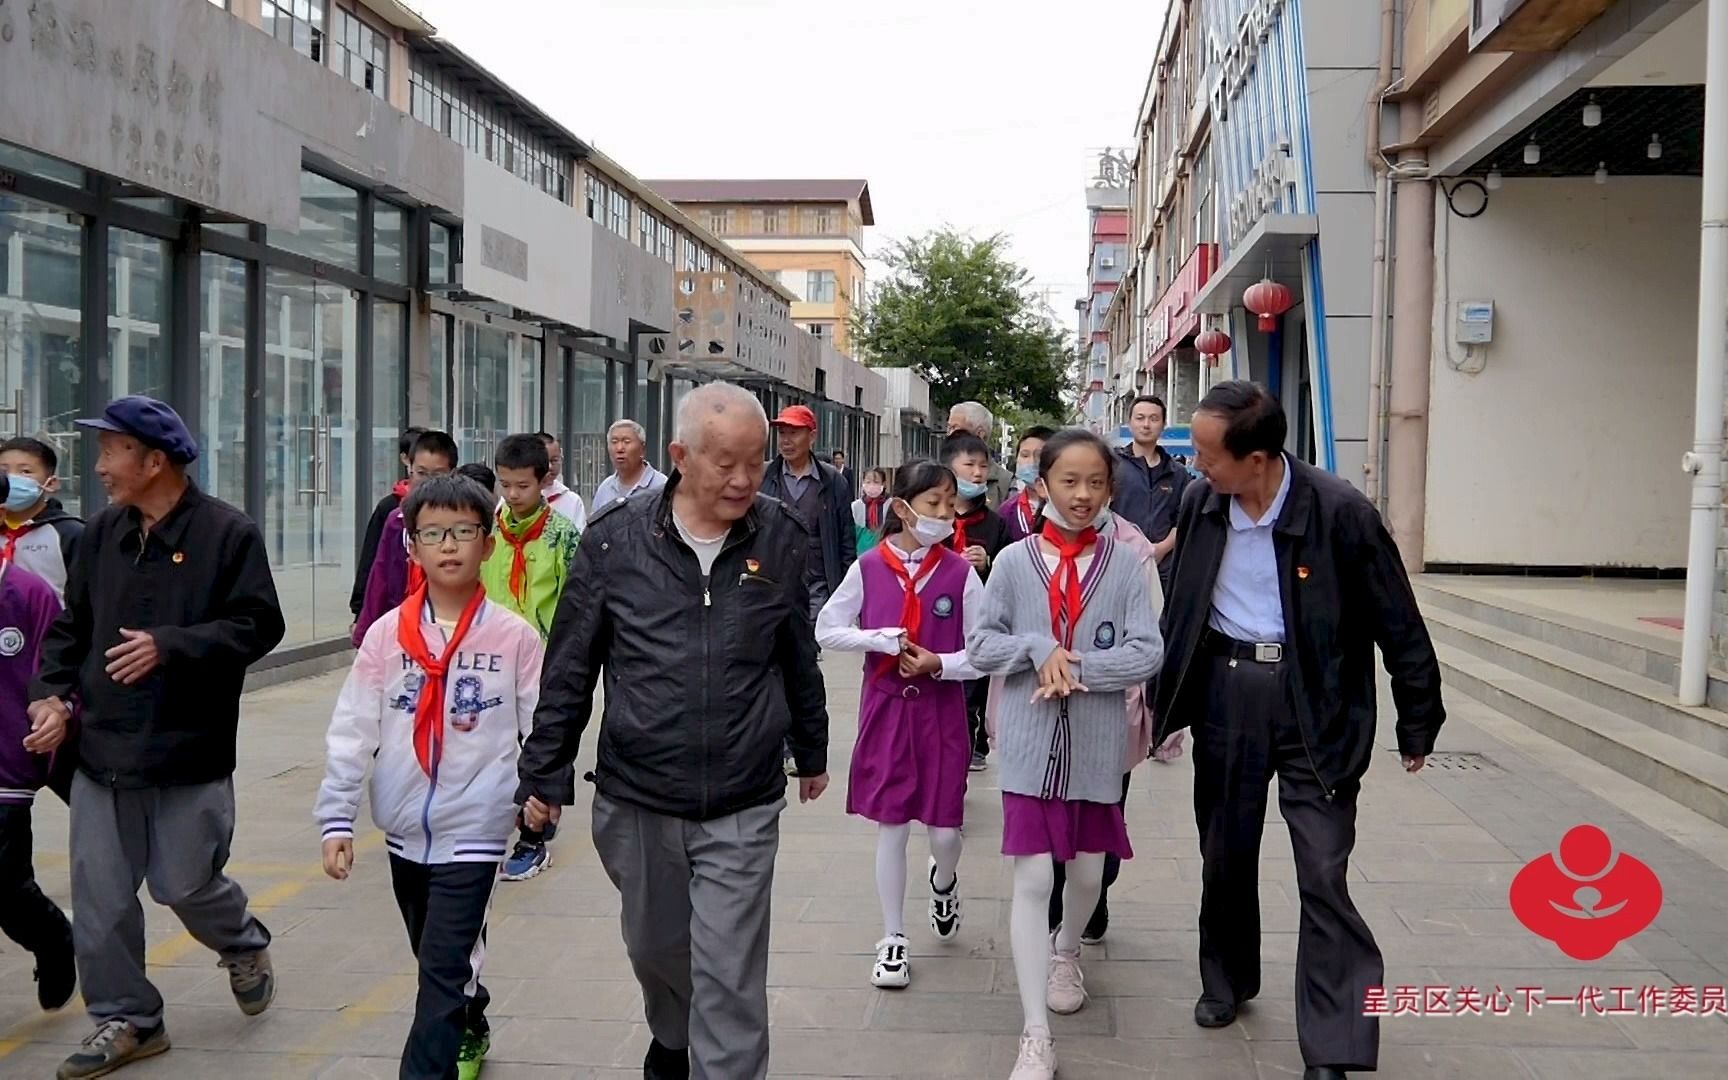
x=1062, y=828
x=909, y=763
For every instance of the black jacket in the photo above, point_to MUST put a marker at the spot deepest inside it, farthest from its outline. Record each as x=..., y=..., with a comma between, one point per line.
x=200, y=584
x=369, y=549
x=839, y=540
x=705, y=677
x=1344, y=591
x=989, y=532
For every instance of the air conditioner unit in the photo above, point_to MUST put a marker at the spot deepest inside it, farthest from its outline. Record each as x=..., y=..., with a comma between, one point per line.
x=1107, y=262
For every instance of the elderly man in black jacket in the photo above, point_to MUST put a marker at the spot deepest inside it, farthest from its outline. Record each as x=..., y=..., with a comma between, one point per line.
x=1285, y=581
x=693, y=602
x=169, y=600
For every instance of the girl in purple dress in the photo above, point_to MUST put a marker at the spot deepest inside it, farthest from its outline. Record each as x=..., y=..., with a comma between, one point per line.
x=907, y=604
x=1070, y=622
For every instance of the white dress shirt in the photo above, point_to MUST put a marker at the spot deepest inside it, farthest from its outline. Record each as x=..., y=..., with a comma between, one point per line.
x=1246, y=602
x=837, y=625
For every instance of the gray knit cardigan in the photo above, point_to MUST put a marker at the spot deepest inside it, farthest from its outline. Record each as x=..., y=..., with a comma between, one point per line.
x=1067, y=748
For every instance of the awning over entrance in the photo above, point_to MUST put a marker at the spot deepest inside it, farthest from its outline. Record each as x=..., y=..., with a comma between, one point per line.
x=1273, y=247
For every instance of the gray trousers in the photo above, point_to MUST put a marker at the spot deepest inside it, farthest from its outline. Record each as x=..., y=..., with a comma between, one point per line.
x=696, y=927
x=175, y=839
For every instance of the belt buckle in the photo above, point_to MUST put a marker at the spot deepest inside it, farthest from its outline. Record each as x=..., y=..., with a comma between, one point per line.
x=1268, y=653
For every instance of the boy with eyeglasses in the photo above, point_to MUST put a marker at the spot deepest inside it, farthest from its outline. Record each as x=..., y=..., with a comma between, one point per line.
x=526, y=573
x=440, y=696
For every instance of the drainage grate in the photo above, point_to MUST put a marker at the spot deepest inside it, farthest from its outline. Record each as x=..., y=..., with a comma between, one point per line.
x=1460, y=762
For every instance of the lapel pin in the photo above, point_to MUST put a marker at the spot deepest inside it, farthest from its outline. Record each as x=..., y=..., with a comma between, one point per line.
x=1302, y=573
x=752, y=565
x=179, y=557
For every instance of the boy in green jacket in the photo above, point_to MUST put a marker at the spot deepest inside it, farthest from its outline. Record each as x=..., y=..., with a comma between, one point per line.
x=526, y=573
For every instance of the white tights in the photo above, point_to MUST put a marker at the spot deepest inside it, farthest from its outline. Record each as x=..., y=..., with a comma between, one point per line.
x=891, y=841
x=1029, y=922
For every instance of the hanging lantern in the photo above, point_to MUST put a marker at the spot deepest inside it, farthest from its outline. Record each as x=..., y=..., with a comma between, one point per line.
x=1211, y=344
x=1268, y=299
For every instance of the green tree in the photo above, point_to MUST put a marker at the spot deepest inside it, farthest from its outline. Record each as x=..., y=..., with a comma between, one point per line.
x=960, y=313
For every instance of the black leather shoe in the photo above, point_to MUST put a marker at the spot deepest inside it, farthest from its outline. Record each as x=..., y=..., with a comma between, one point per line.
x=1322, y=1072
x=1212, y=1013
x=664, y=1063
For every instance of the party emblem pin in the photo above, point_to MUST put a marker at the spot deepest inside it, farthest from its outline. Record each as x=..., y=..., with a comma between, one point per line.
x=1302, y=572
x=179, y=557
x=752, y=565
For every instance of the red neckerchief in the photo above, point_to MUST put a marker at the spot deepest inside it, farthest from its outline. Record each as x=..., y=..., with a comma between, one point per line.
x=13, y=534
x=429, y=707
x=873, y=512
x=911, y=611
x=519, y=548
x=401, y=489
x=1065, y=582
x=964, y=520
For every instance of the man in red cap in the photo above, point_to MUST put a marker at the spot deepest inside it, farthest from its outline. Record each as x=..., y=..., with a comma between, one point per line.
x=819, y=495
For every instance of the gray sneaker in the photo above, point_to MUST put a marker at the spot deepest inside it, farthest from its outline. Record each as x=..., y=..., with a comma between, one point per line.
x=251, y=979
x=114, y=1044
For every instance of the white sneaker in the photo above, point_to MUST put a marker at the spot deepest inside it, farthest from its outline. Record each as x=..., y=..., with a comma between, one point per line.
x=893, y=971
x=1065, y=989
x=1037, y=1060
x=944, y=907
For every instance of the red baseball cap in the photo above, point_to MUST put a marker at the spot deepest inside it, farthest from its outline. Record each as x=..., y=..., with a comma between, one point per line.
x=796, y=416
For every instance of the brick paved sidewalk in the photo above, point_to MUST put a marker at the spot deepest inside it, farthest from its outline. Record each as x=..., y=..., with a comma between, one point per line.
x=1436, y=853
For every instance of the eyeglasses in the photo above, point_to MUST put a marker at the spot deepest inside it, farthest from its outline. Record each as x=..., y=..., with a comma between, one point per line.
x=425, y=474
x=434, y=535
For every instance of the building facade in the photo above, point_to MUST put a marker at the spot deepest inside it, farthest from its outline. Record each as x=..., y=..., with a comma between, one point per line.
x=808, y=233
x=1106, y=267
x=309, y=223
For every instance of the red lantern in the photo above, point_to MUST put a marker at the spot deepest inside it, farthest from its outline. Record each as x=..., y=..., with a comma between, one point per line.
x=1268, y=299
x=1211, y=344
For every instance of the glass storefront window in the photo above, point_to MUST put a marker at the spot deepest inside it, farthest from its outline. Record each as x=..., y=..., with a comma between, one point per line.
x=389, y=360
x=41, y=344
x=222, y=378
x=310, y=375
x=137, y=315
x=440, y=256
x=389, y=244
x=552, y=399
x=525, y=411
x=329, y=223
x=482, y=391
x=585, y=457
x=19, y=160
x=438, y=373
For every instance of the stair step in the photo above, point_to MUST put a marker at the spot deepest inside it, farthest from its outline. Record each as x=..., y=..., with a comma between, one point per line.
x=1661, y=762
x=1647, y=654
x=1602, y=684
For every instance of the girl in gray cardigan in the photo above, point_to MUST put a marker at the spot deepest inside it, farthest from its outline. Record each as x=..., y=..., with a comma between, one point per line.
x=1070, y=624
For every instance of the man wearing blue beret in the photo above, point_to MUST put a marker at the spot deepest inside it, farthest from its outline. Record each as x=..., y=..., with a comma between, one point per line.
x=168, y=601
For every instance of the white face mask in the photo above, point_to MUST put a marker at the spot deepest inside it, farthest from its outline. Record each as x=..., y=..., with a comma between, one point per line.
x=1054, y=517
x=928, y=531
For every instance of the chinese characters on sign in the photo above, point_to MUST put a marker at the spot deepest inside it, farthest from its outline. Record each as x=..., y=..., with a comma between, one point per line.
x=1114, y=169
x=1646, y=1001
x=167, y=110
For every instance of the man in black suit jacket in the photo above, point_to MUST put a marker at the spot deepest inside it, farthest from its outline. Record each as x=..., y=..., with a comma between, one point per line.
x=1262, y=663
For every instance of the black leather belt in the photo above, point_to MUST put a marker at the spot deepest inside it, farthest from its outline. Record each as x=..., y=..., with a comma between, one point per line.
x=1259, y=652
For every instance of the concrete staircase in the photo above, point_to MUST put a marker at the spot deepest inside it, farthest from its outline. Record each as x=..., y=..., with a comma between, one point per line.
x=1603, y=690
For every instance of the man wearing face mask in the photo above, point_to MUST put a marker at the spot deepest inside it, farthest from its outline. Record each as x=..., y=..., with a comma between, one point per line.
x=39, y=535
x=979, y=535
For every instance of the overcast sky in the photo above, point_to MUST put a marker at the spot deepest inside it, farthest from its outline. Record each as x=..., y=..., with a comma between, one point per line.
x=984, y=116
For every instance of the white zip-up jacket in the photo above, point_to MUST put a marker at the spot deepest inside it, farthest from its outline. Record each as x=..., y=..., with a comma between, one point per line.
x=466, y=810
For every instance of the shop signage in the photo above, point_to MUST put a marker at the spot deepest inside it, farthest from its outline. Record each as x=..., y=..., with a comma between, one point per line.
x=1264, y=192
x=1235, y=59
x=173, y=104
x=1173, y=319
